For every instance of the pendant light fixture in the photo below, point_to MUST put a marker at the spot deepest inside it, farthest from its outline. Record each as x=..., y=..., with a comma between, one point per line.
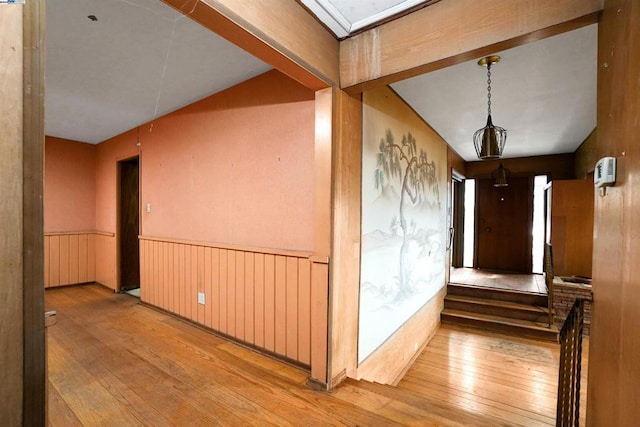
x=500, y=176
x=489, y=141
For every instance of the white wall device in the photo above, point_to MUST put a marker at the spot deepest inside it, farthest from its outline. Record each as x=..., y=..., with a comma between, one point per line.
x=604, y=174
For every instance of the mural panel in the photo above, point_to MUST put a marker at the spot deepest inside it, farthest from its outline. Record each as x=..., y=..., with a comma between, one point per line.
x=404, y=187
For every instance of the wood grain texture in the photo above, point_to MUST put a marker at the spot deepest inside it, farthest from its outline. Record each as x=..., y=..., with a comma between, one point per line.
x=572, y=227
x=450, y=32
x=33, y=86
x=558, y=166
x=305, y=51
x=614, y=369
x=261, y=299
x=70, y=258
x=345, y=252
x=11, y=210
x=165, y=371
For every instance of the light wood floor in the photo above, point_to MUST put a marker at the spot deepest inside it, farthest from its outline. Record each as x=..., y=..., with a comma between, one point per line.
x=532, y=283
x=115, y=362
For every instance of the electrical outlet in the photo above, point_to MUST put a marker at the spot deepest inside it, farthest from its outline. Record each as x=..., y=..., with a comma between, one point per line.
x=201, y=298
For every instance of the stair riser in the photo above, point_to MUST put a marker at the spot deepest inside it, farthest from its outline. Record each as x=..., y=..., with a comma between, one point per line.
x=511, y=313
x=500, y=295
x=511, y=329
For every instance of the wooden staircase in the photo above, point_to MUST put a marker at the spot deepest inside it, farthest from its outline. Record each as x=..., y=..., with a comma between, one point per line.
x=518, y=313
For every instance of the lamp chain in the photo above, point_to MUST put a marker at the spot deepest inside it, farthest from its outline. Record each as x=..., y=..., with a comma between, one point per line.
x=489, y=86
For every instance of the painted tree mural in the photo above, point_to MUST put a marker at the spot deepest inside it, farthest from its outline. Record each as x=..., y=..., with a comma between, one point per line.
x=411, y=167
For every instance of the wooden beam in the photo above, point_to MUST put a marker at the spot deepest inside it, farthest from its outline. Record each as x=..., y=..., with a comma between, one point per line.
x=286, y=37
x=11, y=332
x=35, y=392
x=454, y=31
x=345, y=254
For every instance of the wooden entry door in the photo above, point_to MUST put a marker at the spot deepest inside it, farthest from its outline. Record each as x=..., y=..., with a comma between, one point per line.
x=129, y=214
x=504, y=225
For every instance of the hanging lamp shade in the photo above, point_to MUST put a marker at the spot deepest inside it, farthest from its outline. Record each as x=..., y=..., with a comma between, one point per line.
x=500, y=176
x=489, y=141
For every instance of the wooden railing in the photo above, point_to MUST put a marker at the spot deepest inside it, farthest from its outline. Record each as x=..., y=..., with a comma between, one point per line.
x=568, y=409
x=548, y=278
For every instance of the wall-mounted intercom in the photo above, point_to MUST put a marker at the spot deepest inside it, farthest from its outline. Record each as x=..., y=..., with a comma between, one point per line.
x=604, y=174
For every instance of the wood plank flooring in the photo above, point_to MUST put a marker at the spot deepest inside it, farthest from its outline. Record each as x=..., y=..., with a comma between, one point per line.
x=533, y=283
x=113, y=361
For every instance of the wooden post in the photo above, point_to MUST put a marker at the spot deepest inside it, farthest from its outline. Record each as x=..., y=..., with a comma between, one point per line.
x=34, y=400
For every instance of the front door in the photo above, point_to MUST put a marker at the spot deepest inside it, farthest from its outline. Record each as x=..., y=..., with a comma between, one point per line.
x=504, y=225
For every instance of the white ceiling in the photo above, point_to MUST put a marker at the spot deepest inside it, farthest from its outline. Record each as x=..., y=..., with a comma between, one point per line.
x=141, y=60
x=543, y=93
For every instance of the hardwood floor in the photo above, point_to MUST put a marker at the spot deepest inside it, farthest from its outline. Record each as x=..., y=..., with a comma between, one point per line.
x=113, y=361
x=532, y=283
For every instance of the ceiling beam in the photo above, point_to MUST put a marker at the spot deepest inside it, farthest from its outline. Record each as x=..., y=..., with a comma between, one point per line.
x=286, y=37
x=454, y=31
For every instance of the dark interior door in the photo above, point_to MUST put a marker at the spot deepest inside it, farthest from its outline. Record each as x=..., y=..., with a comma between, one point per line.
x=504, y=225
x=457, y=223
x=129, y=228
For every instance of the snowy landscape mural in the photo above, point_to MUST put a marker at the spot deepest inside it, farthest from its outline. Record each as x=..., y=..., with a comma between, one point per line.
x=403, y=219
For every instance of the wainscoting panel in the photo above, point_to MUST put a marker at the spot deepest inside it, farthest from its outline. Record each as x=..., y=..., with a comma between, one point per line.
x=70, y=258
x=258, y=296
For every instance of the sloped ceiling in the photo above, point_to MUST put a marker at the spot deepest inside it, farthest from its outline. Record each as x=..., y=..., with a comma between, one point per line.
x=140, y=59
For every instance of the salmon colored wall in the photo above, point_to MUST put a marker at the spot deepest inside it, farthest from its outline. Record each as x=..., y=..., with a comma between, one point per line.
x=69, y=191
x=234, y=168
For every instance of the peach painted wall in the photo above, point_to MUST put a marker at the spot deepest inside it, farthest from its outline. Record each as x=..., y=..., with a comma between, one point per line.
x=69, y=191
x=235, y=168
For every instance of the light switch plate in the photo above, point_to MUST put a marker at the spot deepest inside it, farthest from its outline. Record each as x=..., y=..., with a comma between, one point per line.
x=201, y=298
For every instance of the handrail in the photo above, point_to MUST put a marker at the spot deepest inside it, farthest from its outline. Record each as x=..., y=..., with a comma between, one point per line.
x=568, y=407
x=548, y=278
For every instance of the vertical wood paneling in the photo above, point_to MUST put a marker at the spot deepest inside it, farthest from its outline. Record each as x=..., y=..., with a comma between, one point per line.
x=170, y=275
x=47, y=250
x=281, y=305
x=223, y=290
x=292, y=308
x=269, y=302
x=74, y=261
x=261, y=298
x=215, y=288
x=182, y=281
x=165, y=275
x=304, y=311
x=64, y=260
x=207, y=287
x=239, y=308
x=258, y=318
x=91, y=258
x=200, y=283
x=54, y=261
x=156, y=275
x=249, y=296
x=193, y=296
x=319, y=321
x=231, y=293
x=83, y=258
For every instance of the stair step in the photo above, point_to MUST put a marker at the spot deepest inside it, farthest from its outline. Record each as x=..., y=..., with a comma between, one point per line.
x=518, y=327
x=512, y=310
x=497, y=294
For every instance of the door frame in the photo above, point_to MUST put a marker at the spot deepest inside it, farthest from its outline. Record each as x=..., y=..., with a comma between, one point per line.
x=119, y=163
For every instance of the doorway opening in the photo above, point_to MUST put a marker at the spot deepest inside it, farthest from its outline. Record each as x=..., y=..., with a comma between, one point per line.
x=129, y=226
x=502, y=232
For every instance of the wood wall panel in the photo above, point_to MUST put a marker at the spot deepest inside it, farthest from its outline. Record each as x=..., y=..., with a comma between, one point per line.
x=262, y=299
x=453, y=31
x=70, y=258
